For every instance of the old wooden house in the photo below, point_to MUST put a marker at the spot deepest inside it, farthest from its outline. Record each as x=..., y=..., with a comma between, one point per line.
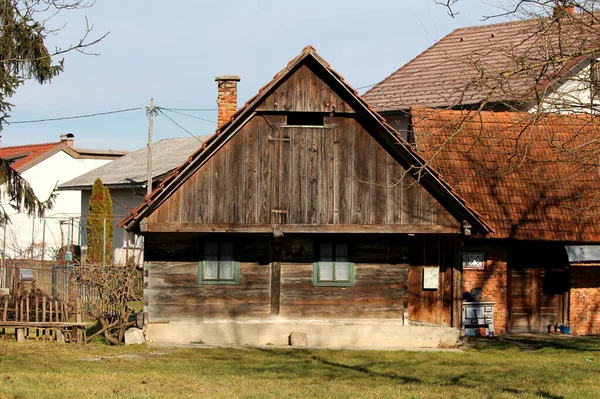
x=307, y=213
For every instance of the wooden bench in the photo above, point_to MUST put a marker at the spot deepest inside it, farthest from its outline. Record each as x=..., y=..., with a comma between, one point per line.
x=74, y=331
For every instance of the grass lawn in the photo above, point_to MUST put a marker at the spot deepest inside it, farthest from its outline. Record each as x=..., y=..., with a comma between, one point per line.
x=503, y=368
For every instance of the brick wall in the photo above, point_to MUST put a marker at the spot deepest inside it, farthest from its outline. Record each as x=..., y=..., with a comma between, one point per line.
x=584, y=300
x=493, y=283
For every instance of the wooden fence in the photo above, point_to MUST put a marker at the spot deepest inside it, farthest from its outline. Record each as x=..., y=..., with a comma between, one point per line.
x=39, y=309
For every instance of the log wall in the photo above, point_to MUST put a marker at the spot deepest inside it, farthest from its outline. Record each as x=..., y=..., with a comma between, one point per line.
x=380, y=292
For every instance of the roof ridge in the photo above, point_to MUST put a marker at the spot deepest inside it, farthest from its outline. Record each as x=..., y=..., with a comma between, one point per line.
x=31, y=145
x=497, y=24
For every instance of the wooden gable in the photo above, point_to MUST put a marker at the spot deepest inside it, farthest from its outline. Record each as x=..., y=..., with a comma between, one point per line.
x=303, y=178
x=306, y=154
x=304, y=91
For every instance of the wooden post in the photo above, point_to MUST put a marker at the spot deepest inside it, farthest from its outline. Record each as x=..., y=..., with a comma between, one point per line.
x=79, y=312
x=275, y=280
x=149, y=162
x=65, y=312
x=37, y=315
x=27, y=308
x=43, y=308
x=20, y=335
x=60, y=337
x=5, y=313
x=457, y=284
x=50, y=310
x=22, y=315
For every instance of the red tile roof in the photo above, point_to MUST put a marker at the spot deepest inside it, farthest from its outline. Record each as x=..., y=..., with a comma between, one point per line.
x=500, y=62
x=531, y=177
x=25, y=154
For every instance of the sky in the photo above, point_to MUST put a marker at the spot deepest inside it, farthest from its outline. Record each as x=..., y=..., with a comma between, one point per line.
x=172, y=51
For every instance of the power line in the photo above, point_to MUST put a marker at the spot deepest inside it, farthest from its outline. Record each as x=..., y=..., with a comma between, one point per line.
x=364, y=87
x=192, y=109
x=189, y=116
x=181, y=127
x=78, y=116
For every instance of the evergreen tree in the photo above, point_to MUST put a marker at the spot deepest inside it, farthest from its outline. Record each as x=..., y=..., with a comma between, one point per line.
x=25, y=56
x=99, y=224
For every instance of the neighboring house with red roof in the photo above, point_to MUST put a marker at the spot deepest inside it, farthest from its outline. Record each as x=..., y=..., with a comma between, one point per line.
x=538, y=185
x=44, y=166
x=505, y=113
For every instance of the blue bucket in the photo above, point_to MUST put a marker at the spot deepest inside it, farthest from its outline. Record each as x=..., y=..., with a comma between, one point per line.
x=565, y=329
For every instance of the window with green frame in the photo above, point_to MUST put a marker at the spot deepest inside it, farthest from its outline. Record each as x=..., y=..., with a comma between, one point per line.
x=218, y=265
x=333, y=267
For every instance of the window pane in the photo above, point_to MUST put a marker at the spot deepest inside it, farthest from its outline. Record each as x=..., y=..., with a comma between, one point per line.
x=326, y=254
x=211, y=249
x=341, y=252
x=325, y=271
x=342, y=272
x=226, y=270
x=211, y=268
x=226, y=251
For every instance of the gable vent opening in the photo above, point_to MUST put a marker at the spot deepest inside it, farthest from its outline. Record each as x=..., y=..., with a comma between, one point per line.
x=305, y=119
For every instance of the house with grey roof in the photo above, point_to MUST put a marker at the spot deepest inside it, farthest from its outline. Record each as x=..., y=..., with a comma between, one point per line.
x=127, y=178
x=543, y=64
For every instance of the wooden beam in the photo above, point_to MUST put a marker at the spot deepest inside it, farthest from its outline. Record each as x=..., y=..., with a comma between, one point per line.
x=275, y=288
x=299, y=228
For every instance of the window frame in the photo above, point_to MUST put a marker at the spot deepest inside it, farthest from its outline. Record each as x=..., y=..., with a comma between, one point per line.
x=317, y=282
x=483, y=260
x=218, y=281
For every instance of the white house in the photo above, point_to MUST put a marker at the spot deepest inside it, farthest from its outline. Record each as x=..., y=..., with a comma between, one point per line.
x=45, y=166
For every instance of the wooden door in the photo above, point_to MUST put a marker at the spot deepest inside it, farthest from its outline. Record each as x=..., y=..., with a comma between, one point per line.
x=536, y=299
x=432, y=306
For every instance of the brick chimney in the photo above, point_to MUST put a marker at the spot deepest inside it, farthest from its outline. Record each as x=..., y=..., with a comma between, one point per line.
x=227, y=97
x=67, y=139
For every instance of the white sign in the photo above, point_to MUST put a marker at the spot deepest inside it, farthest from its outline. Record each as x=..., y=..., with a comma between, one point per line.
x=431, y=278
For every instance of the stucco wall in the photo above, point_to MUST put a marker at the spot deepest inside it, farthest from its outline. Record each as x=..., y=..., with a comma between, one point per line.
x=44, y=177
x=574, y=95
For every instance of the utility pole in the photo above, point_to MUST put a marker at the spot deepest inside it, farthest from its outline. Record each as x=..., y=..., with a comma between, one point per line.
x=150, y=128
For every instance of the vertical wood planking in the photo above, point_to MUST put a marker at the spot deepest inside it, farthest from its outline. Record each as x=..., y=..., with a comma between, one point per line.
x=329, y=155
x=250, y=180
x=313, y=175
x=360, y=175
x=264, y=172
x=337, y=175
x=296, y=169
x=325, y=175
x=344, y=174
x=285, y=174
x=379, y=188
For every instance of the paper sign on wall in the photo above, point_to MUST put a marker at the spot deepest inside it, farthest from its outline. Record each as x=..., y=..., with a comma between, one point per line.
x=431, y=278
